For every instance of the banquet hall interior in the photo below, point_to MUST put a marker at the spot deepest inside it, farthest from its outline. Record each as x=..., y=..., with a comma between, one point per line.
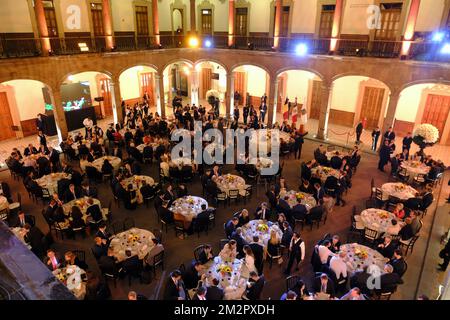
x=347, y=102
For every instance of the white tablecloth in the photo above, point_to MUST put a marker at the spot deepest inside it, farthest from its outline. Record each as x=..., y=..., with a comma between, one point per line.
x=136, y=181
x=377, y=219
x=189, y=206
x=83, y=205
x=142, y=146
x=399, y=190
x=254, y=228
x=331, y=154
x=50, y=181
x=234, y=283
x=139, y=241
x=263, y=163
x=414, y=168
x=98, y=163
x=71, y=276
x=231, y=182
x=296, y=196
x=3, y=203
x=180, y=162
x=355, y=259
x=324, y=172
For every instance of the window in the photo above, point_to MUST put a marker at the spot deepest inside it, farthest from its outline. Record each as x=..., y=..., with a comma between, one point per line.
x=50, y=18
x=241, y=22
x=141, y=20
x=326, y=21
x=206, y=21
x=390, y=21
x=284, y=27
x=97, y=19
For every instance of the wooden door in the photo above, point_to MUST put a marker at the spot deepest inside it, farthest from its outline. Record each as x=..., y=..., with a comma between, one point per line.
x=184, y=87
x=436, y=111
x=326, y=21
x=239, y=86
x=372, y=104
x=6, y=122
x=206, y=82
x=315, y=99
x=105, y=92
x=146, y=83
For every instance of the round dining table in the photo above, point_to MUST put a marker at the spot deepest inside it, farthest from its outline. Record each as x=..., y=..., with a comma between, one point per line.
x=189, y=206
x=331, y=154
x=181, y=162
x=323, y=173
x=231, y=182
x=98, y=163
x=50, y=181
x=398, y=190
x=358, y=257
x=414, y=168
x=232, y=276
x=263, y=163
x=83, y=204
x=136, y=182
x=4, y=204
x=73, y=278
x=296, y=197
x=378, y=219
x=262, y=229
x=138, y=241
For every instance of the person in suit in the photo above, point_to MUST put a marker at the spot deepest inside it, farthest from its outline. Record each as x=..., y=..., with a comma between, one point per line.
x=240, y=241
x=387, y=248
x=70, y=259
x=243, y=217
x=174, y=286
x=256, y=286
x=169, y=195
x=231, y=226
x=102, y=233
x=76, y=218
x=154, y=251
x=262, y=212
x=287, y=234
x=389, y=280
x=375, y=136
x=315, y=213
x=319, y=192
x=336, y=162
x=214, y=292
x=385, y=154
x=296, y=252
x=323, y=284
x=108, y=263
x=284, y=207
x=206, y=254
x=132, y=264
x=306, y=187
x=258, y=252
x=359, y=130
x=407, y=141
x=398, y=262
x=299, y=212
x=30, y=150
x=298, y=144
x=272, y=198
x=191, y=277
x=202, y=220
x=200, y=294
x=21, y=220
x=72, y=194
x=89, y=191
x=100, y=248
x=52, y=260
x=395, y=164
x=389, y=135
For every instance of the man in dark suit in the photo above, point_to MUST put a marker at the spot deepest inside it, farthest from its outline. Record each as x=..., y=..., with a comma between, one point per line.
x=258, y=252
x=30, y=150
x=54, y=158
x=389, y=135
x=272, y=198
x=107, y=263
x=132, y=265
x=214, y=292
x=256, y=286
x=336, y=162
x=146, y=190
x=319, y=192
x=72, y=194
x=398, y=262
x=200, y=294
x=240, y=241
x=359, y=129
x=202, y=219
x=165, y=214
x=389, y=280
x=323, y=284
x=299, y=212
x=52, y=260
x=89, y=191
x=231, y=226
x=173, y=286
x=21, y=220
x=283, y=206
x=360, y=279
x=102, y=233
x=100, y=248
x=191, y=276
x=287, y=234
x=34, y=237
x=314, y=214
x=169, y=195
x=262, y=212
x=388, y=247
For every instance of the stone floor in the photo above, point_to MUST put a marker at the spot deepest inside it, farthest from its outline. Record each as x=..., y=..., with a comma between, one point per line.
x=181, y=251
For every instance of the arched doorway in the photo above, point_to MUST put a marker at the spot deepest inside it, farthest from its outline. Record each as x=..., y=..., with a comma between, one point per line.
x=250, y=86
x=88, y=89
x=177, y=83
x=211, y=80
x=137, y=82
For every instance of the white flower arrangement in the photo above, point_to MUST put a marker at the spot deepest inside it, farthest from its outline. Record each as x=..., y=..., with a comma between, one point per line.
x=212, y=93
x=428, y=132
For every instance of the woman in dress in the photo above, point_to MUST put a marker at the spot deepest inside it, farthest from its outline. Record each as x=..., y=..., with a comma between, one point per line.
x=273, y=245
x=229, y=251
x=249, y=259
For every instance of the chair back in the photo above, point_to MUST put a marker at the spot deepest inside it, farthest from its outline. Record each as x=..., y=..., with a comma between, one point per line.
x=291, y=281
x=158, y=235
x=233, y=193
x=379, y=194
x=370, y=234
x=158, y=259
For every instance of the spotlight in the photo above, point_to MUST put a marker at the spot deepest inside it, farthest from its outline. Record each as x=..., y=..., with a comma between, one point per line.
x=301, y=49
x=438, y=36
x=446, y=49
x=193, y=42
x=208, y=44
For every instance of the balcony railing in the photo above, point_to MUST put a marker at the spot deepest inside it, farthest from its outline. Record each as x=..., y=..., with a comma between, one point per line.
x=28, y=47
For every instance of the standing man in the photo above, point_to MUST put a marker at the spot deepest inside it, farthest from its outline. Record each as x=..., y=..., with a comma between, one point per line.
x=40, y=125
x=407, y=141
x=236, y=112
x=389, y=135
x=385, y=154
x=298, y=144
x=262, y=111
x=245, y=113
x=296, y=252
x=375, y=135
x=359, y=130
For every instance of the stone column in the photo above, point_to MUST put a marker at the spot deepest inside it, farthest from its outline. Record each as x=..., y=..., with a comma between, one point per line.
x=42, y=27
x=231, y=23
x=391, y=109
x=159, y=87
x=410, y=27
x=116, y=100
x=229, y=97
x=194, y=87
x=277, y=27
x=272, y=99
x=193, y=21
x=156, y=22
x=60, y=117
x=336, y=24
x=107, y=24
x=325, y=101
x=170, y=97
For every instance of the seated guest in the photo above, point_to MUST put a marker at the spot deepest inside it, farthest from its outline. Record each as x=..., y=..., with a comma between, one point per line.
x=52, y=260
x=206, y=254
x=243, y=217
x=299, y=212
x=174, y=289
x=324, y=252
x=335, y=244
x=100, y=247
x=21, y=220
x=132, y=264
x=272, y=198
x=394, y=228
x=413, y=203
x=30, y=150
x=406, y=232
x=94, y=210
x=200, y=294
x=108, y=263
x=130, y=198
x=89, y=191
x=240, y=241
x=336, y=162
x=229, y=251
x=416, y=224
x=323, y=284
x=70, y=259
x=353, y=294
x=389, y=280
x=299, y=289
x=76, y=221
x=72, y=194
x=306, y=187
x=398, y=211
x=231, y=226
x=258, y=253
x=191, y=276
x=102, y=233
x=165, y=214
x=315, y=214
x=154, y=251
x=284, y=207
x=214, y=292
x=146, y=190
x=107, y=167
x=338, y=265
x=255, y=287
x=398, y=262
x=262, y=212
x=388, y=247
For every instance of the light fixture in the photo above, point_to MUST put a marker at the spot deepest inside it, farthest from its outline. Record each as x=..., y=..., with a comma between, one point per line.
x=208, y=43
x=186, y=70
x=446, y=49
x=438, y=36
x=193, y=42
x=71, y=78
x=301, y=49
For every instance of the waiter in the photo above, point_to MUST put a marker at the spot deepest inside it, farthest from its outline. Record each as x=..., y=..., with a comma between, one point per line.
x=407, y=141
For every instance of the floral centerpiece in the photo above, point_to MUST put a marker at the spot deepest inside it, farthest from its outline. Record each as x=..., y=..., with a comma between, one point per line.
x=61, y=275
x=326, y=170
x=425, y=135
x=300, y=196
x=225, y=269
x=229, y=178
x=361, y=253
x=132, y=238
x=212, y=95
x=262, y=227
x=400, y=187
x=383, y=215
x=190, y=200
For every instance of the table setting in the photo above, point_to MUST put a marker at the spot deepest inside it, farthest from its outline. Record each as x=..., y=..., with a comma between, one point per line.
x=296, y=197
x=189, y=206
x=98, y=163
x=262, y=229
x=324, y=172
x=414, y=168
x=136, y=182
x=377, y=219
x=358, y=257
x=399, y=190
x=83, y=204
x=50, y=181
x=231, y=182
x=73, y=277
x=138, y=241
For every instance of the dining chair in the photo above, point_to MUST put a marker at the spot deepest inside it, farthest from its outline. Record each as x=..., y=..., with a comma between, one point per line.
x=370, y=236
